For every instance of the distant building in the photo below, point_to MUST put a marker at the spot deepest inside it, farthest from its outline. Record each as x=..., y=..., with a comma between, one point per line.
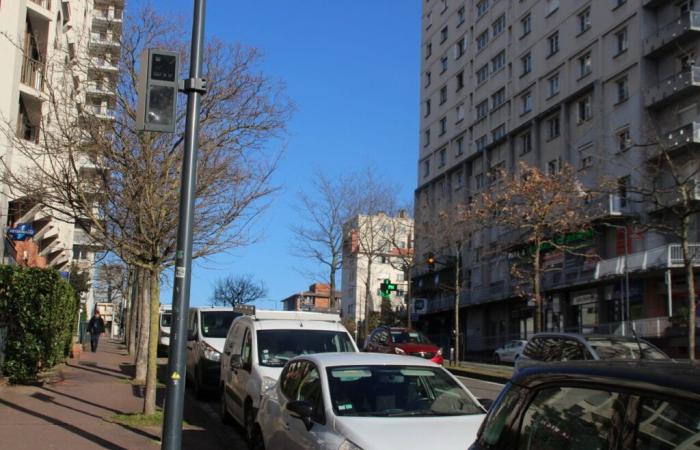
x=317, y=298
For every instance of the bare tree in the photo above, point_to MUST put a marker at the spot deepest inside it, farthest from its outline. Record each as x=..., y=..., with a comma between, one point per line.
x=402, y=255
x=92, y=164
x=538, y=210
x=237, y=290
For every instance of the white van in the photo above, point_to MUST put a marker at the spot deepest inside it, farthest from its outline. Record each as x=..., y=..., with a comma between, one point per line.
x=164, y=320
x=206, y=332
x=257, y=348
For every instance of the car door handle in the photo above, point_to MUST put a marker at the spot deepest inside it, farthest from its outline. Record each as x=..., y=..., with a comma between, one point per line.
x=286, y=427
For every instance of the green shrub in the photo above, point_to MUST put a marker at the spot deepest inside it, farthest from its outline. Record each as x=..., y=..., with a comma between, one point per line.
x=40, y=310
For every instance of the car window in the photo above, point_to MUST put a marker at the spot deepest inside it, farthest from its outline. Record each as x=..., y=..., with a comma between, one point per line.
x=276, y=347
x=192, y=323
x=383, y=337
x=228, y=346
x=571, y=350
x=215, y=324
x=568, y=418
x=622, y=349
x=667, y=425
x=165, y=319
x=409, y=337
x=533, y=350
x=246, y=350
x=494, y=423
x=290, y=378
x=310, y=390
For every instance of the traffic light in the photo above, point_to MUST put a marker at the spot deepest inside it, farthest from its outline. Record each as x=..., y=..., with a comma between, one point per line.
x=430, y=260
x=157, y=91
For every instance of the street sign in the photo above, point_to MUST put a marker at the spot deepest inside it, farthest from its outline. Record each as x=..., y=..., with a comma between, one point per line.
x=157, y=91
x=21, y=232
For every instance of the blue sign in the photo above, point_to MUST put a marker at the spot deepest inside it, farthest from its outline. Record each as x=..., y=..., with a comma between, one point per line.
x=22, y=232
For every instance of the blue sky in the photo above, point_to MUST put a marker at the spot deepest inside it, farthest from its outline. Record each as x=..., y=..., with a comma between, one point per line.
x=352, y=69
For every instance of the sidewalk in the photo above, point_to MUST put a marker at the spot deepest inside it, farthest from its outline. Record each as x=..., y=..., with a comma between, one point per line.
x=488, y=372
x=76, y=411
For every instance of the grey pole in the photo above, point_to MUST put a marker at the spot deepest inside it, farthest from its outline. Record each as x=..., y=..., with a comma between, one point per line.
x=195, y=87
x=627, y=282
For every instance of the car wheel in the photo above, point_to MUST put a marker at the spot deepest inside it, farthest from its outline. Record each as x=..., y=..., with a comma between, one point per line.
x=497, y=358
x=257, y=442
x=223, y=411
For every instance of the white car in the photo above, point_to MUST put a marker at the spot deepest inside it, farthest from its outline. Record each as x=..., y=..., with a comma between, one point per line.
x=509, y=352
x=366, y=401
x=259, y=345
x=164, y=319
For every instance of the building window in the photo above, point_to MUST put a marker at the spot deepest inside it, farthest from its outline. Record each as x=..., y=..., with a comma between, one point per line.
x=526, y=101
x=460, y=16
x=428, y=50
x=426, y=168
x=481, y=7
x=553, y=42
x=527, y=63
x=551, y=6
x=428, y=20
x=482, y=40
x=459, y=179
x=460, y=47
x=459, y=146
x=460, y=112
x=622, y=86
x=481, y=143
x=685, y=6
x=621, y=43
x=460, y=81
x=444, y=6
x=583, y=108
x=498, y=62
x=482, y=74
x=584, y=21
x=498, y=98
x=479, y=181
x=443, y=94
x=584, y=65
x=427, y=79
x=553, y=85
x=427, y=108
x=426, y=138
x=499, y=25
x=442, y=155
x=482, y=110
x=443, y=126
x=443, y=35
x=525, y=143
x=498, y=133
x=526, y=25
x=624, y=140
x=443, y=64
x=622, y=188
x=619, y=3
x=553, y=167
x=553, y=128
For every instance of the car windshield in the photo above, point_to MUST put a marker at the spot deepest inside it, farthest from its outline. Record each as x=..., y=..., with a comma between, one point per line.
x=276, y=347
x=397, y=391
x=215, y=324
x=617, y=349
x=165, y=319
x=409, y=337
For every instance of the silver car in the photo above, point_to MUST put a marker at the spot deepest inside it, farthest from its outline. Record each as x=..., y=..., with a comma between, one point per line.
x=509, y=352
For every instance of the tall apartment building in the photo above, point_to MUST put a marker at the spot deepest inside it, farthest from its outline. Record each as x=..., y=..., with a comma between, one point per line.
x=384, y=241
x=550, y=82
x=36, y=36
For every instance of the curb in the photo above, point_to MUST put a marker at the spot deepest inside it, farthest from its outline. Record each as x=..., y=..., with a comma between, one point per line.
x=495, y=374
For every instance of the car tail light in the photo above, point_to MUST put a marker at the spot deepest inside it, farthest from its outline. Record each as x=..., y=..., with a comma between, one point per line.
x=439, y=352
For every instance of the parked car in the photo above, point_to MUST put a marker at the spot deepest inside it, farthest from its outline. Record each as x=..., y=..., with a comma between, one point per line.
x=509, y=352
x=403, y=341
x=625, y=405
x=549, y=347
x=164, y=320
x=206, y=333
x=366, y=402
x=257, y=348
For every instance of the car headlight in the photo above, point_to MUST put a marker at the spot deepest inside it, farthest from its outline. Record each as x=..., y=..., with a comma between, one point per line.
x=212, y=355
x=399, y=351
x=349, y=445
x=267, y=383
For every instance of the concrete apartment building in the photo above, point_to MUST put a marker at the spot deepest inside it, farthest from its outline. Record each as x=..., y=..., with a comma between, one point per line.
x=316, y=298
x=550, y=82
x=383, y=243
x=36, y=36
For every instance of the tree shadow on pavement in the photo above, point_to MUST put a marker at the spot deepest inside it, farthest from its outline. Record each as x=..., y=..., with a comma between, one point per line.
x=99, y=370
x=116, y=411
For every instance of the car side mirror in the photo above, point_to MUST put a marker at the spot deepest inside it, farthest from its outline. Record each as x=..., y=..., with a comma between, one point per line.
x=301, y=409
x=235, y=362
x=487, y=403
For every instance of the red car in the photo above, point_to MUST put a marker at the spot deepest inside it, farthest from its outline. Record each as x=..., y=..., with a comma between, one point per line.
x=403, y=341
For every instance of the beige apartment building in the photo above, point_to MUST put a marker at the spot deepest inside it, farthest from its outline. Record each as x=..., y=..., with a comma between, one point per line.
x=583, y=82
x=39, y=39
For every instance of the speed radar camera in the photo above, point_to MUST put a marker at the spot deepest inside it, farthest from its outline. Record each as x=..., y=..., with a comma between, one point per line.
x=157, y=91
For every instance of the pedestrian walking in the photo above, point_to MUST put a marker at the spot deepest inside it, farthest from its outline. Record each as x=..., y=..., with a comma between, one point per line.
x=96, y=327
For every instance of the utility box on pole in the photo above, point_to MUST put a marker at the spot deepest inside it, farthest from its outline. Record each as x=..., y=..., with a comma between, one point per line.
x=157, y=91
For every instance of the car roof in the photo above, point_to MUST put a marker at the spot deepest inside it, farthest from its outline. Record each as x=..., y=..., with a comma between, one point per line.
x=680, y=377
x=587, y=337
x=212, y=308
x=283, y=324
x=366, y=359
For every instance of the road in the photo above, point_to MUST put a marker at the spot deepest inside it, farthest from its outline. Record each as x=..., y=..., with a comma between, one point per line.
x=482, y=389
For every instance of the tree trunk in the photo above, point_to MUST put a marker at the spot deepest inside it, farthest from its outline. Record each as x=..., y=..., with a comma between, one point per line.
x=331, y=279
x=144, y=316
x=130, y=328
x=457, y=292
x=407, y=277
x=536, y=288
x=690, y=281
x=368, y=297
x=149, y=399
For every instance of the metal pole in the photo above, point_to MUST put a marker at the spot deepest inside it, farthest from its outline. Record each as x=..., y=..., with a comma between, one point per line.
x=627, y=282
x=175, y=396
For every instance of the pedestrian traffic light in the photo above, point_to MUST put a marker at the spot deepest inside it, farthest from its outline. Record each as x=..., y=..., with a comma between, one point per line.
x=430, y=260
x=157, y=91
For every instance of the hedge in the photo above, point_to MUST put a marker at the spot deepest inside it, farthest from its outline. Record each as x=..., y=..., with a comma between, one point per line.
x=39, y=309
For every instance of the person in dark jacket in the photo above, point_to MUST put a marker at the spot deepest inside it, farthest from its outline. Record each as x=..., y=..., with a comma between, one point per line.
x=96, y=327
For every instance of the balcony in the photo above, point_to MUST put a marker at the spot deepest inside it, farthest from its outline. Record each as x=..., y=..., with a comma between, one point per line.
x=84, y=239
x=33, y=74
x=102, y=64
x=107, y=16
x=673, y=87
x=680, y=138
x=46, y=4
x=99, y=90
x=101, y=42
x=101, y=112
x=664, y=257
x=672, y=33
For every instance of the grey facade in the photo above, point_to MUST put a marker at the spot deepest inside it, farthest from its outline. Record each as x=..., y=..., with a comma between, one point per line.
x=550, y=82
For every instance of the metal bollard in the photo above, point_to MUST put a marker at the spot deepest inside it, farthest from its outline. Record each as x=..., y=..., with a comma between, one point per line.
x=452, y=355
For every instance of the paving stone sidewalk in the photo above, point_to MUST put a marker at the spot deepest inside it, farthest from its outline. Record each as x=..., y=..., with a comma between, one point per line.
x=76, y=410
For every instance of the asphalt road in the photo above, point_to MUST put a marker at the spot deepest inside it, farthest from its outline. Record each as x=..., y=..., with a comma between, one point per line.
x=482, y=389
